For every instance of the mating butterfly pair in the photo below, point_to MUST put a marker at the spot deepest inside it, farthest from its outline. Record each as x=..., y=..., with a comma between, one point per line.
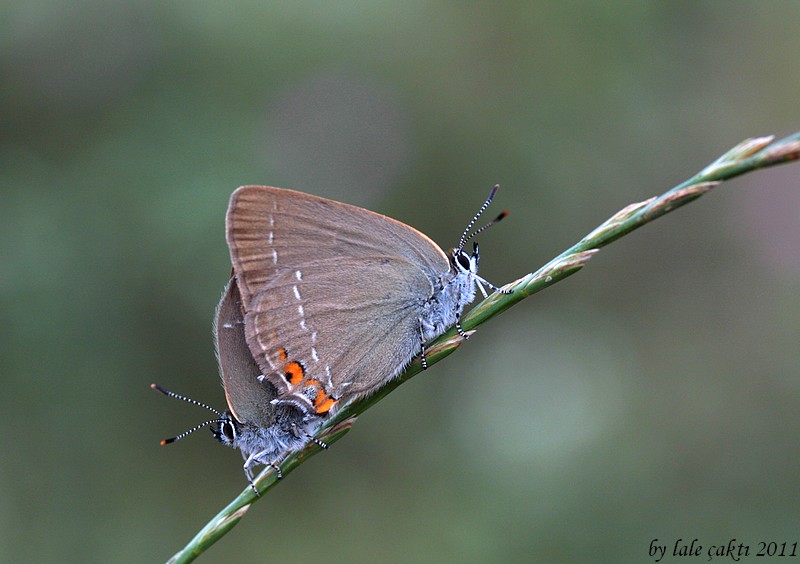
x=327, y=303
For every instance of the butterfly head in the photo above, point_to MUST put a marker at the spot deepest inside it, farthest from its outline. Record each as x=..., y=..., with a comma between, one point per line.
x=465, y=265
x=226, y=429
x=463, y=262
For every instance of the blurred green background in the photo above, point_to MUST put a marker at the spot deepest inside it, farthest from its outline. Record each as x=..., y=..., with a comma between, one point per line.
x=653, y=396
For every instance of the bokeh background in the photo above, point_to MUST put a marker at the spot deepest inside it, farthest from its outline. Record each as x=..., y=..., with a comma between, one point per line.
x=653, y=396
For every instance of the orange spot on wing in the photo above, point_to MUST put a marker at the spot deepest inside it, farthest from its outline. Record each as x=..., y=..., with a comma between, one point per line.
x=325, y=405
x=323, y=402
x=282, y=354
x=294, y=372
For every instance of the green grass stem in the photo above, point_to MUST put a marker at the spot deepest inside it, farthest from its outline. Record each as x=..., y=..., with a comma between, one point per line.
x=747, y=156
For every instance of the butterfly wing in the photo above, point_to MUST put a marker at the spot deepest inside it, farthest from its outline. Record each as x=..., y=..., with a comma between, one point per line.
x=340, y=329
x=270, y=230
x=332, y=292
x=248, y=399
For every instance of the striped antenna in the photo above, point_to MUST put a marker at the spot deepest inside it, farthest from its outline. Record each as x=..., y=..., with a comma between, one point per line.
x=167, y=393
x=487, y=226
x=466, y=236
x=190, y=431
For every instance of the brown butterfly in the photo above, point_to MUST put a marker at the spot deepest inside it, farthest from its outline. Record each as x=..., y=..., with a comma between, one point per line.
x=337, y=299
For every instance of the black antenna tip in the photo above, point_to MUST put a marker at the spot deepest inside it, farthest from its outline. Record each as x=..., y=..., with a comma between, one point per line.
x=495, y=188
x=158, y=388
x=501, y=216
x=167, y=441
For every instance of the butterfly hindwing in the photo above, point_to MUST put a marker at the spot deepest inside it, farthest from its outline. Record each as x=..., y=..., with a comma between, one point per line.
x=248, y=399
x=338, y=329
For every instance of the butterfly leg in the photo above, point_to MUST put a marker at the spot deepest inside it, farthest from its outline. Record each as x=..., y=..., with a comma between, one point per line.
x=422, y=359
x=460, y=329
x=278, y=473
x=312, y=439
x=248, y=472
x=251, y=461
x=317, y=442
x=481, y=281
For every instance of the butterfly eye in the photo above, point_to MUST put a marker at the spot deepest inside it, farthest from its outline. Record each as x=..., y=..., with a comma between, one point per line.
x=229, y=431
x=463, y=261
